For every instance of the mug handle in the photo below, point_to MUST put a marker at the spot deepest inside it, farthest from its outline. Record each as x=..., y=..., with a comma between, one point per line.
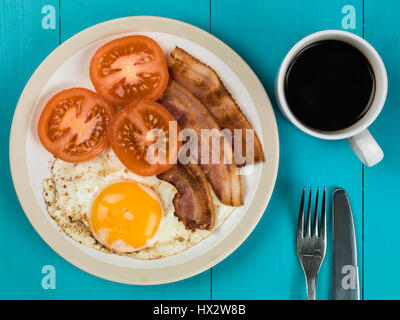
x=366, y=148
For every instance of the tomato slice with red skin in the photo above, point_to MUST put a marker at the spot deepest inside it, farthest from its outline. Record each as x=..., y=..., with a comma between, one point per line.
x=74, y=123
x=130, y=135
x=129, y=69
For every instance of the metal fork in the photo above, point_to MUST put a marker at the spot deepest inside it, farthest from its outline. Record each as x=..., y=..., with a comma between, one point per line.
x=311, y=245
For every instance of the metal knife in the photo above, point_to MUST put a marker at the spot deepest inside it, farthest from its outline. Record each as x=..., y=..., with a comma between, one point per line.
x=345, y=268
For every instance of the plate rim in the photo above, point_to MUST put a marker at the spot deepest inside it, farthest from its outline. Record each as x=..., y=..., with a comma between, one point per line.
x=53, y=238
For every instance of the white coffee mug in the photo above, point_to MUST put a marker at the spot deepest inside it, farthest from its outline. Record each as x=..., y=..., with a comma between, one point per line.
x=360, y=139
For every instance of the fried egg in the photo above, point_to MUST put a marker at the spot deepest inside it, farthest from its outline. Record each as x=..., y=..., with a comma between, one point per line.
x=125, y=216
x=102, y=205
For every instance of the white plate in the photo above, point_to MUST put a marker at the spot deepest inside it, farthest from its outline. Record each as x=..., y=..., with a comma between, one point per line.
x=68, y=66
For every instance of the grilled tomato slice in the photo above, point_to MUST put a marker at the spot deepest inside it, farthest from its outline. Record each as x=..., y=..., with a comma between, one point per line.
x=143, y=135
x=73, y=124
x=129, y=69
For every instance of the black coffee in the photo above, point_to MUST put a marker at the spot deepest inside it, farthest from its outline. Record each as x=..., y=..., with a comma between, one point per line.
x=329, y=85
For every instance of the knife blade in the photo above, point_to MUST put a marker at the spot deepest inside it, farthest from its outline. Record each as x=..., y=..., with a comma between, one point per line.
x=345, y=268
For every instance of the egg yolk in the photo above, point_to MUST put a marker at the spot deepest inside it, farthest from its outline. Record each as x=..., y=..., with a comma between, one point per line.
x=125, y=215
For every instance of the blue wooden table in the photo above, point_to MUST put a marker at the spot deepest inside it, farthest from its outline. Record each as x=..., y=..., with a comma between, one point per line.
x=265, y=266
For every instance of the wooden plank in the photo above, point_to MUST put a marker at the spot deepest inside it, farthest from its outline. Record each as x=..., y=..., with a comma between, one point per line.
x=197, y=13
x=266, y=265
x=24, y=44
x=382, y=247
x=194, y=12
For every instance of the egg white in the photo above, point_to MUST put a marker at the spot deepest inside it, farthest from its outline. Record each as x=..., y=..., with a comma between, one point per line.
x=71, y=189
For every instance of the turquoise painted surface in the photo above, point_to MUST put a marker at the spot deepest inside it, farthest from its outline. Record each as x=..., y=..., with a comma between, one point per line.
x=382, y=219
x=265, y=266
x=22, y=253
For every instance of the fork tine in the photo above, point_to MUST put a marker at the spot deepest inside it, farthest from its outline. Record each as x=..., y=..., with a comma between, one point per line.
x=315, y=223
x=300, y=222
x=311, y=249
x=308, y=230
x=323, y=217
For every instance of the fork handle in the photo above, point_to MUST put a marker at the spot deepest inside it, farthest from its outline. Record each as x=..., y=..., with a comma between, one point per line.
x=311, y=288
